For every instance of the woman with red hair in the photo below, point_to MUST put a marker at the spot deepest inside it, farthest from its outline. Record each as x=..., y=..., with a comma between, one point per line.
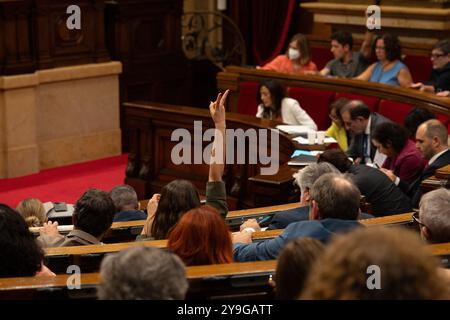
x=201, y=237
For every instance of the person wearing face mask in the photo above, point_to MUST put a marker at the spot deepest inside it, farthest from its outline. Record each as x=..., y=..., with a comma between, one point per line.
x=296, y=60
x=274, y=104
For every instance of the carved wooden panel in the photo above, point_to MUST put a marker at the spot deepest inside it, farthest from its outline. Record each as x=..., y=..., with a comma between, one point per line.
x=16, y=41
x=59, y=46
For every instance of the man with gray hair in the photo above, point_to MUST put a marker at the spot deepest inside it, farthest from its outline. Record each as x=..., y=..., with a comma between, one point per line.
x=304, y=178
x=127, y=204
x=434, y=216
x=432, y=142
x=334, y=208
x=142, y=273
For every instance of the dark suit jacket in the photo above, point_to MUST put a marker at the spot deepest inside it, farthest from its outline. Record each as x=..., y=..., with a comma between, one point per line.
x=413, y=190
x=379, y=190
x=130, y=215
x=355, y=150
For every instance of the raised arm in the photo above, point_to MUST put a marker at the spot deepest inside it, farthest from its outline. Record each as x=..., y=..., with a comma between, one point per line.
x=366, y=46
x=217, y=164
x=216, y=195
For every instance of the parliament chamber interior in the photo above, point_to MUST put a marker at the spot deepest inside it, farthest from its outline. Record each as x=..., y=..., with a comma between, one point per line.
x=202, y=150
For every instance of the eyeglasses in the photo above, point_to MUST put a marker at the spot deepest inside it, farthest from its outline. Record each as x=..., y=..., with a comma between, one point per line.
x=416, y=219
x=380, y=47
x=437, y=55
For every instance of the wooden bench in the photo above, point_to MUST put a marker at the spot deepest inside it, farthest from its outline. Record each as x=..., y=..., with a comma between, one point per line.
x=233, y=280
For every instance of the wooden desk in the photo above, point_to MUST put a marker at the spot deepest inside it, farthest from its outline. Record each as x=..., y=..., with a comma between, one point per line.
x=238, y=279
x=234, y=75
x=149, y=127
x=441, y=179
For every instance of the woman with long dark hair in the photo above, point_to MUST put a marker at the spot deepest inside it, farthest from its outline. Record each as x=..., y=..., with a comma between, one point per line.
x=273, y=103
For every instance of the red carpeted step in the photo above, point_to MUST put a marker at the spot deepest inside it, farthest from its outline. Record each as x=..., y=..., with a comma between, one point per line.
x=66, y=183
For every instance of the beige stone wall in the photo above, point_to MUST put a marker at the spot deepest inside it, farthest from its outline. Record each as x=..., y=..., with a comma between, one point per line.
x=58, y=116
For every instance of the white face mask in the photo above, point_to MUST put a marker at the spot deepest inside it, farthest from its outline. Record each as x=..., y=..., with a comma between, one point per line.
x=293, y=54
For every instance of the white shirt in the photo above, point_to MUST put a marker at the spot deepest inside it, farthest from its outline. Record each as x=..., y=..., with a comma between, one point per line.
x=367, y=159
x=292, y=113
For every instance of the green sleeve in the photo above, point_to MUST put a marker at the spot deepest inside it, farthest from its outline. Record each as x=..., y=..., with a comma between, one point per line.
x=216, y=196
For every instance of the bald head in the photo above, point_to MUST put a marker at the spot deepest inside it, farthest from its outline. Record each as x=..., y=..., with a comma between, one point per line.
x=355, y=115
x=435, y=128
x=431, y=138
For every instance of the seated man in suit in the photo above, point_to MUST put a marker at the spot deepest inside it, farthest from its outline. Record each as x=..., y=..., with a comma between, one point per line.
x=127, y=204
x=92, y=218
x=360, y=122
x=434, y=216
x=432, y=142
x=334, y=209
x=385, y=198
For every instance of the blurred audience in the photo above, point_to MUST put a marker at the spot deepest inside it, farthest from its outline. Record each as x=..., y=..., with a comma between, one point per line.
x=376, y=264
x=142, y=273
x=294, y=265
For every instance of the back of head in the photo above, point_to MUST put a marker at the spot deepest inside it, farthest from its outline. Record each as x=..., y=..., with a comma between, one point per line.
x=94, y=212
x=390, y=134
x=201, y=237
x=435, y=215
x=356, y=108
x=33, y=211
x=294, y=264
x=435, y=129
x=177, y=197
x=416, y=117
x=142, y=273
x=343, y=38
x=392, y=46
x=443, y=45
x=20, y=255
x=303, y=46
x=124, y=198
x=376, y=263
x=337, y=158
x=306, y=177
x=336, y=196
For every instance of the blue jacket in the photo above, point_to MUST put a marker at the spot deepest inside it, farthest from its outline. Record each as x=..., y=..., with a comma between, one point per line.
x=130, y=215
x=282, y=219
x=269, y=249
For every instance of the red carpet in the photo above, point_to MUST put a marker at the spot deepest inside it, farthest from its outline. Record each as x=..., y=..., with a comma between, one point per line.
x=65, y=184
